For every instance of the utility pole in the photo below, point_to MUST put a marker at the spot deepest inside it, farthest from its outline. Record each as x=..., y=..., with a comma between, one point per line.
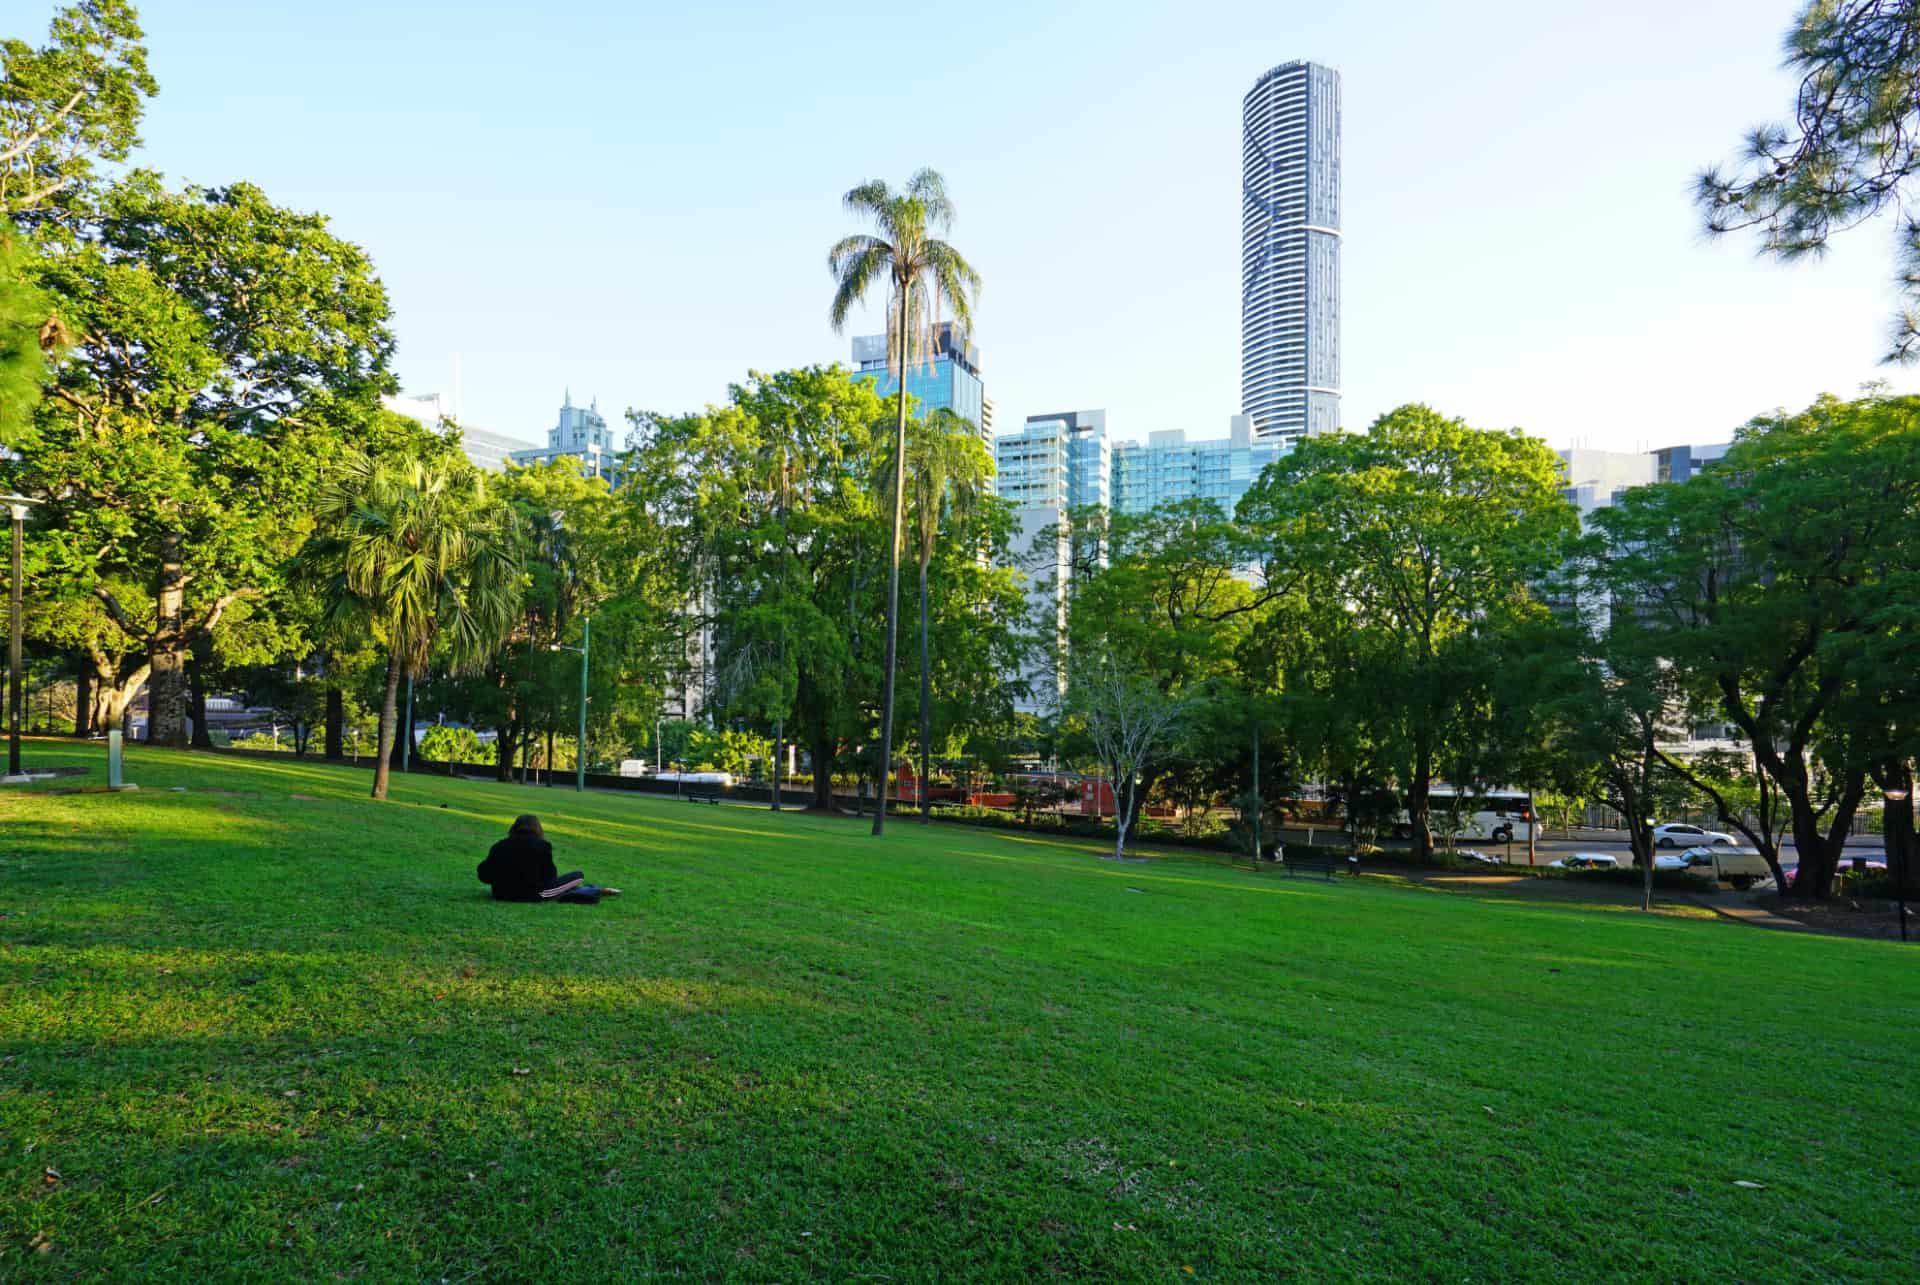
x=580, y=753
x=17, y=505
x=1256, y=794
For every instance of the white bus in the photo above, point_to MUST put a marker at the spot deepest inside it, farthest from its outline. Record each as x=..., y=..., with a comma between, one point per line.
x=1499, y=815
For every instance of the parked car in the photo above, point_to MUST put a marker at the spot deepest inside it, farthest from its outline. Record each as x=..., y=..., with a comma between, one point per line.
x=1584, y=861
x=1475, y=857
x=1672, y=860
x=1741, y=867
x=1676, y=835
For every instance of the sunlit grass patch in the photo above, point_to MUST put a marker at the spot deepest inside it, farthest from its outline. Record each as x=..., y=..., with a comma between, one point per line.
x=256, y=1035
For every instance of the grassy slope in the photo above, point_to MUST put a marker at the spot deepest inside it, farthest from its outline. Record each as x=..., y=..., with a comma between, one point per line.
x=260, y=1034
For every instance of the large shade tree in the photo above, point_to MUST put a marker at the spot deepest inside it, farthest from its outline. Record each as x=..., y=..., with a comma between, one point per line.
x=224, y=350
x=924, y=275
x=1773, y=581
x=1431, y=537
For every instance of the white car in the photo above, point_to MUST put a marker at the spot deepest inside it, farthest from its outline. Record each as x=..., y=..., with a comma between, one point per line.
x=1674, y=860
x=1675, y=835
x=1585, y=861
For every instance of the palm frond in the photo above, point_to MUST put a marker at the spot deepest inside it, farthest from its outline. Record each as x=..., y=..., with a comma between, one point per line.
x=929, y=191
x=855, y=276
x=870, y=198
x=954, y=279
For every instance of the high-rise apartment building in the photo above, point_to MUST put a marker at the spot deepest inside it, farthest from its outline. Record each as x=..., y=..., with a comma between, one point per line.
x=1167, y=468
x=1063, y=460
x=1290, y=251
x=1049, y=466
x=950, y=378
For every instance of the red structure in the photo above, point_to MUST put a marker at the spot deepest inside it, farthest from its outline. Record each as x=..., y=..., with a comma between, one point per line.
x=1096, y=797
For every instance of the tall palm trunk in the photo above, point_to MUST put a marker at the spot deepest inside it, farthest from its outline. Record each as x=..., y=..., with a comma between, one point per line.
x=926, y=701
x=389, y=717
x=893, y=569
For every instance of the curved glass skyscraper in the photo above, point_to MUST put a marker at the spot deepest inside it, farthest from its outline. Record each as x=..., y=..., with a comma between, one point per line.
x=1290, y=252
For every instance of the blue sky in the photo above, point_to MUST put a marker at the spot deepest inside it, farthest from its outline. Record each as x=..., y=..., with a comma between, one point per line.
x=635, y=200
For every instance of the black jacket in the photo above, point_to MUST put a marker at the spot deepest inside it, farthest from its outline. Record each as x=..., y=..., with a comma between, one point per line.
x=518, y=867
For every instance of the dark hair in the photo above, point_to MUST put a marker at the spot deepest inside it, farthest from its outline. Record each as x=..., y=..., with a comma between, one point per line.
x=527, y=824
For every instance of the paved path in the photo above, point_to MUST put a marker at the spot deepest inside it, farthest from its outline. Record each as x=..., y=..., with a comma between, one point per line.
x=1742, y=913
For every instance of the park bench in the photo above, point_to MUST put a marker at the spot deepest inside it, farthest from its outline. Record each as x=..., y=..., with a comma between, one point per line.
x=703, y=798
x=1309, y=863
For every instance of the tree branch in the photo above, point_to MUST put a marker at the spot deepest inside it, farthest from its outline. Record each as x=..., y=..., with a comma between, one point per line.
x=39, y=132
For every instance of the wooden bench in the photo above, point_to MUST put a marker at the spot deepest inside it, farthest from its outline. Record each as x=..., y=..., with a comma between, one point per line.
x=702, y=798
x=1309, y=864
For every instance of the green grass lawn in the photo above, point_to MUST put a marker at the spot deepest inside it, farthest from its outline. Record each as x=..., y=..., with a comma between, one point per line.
x=267, y=1028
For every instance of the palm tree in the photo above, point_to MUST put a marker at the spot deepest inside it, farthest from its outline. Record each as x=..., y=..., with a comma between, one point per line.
x=949, y=466
x=416, y=547
x=924, y=273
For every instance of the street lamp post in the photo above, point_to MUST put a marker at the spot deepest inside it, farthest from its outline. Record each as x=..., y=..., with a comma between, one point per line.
x=1898, y=794
x=17, y=505
x=580, y=751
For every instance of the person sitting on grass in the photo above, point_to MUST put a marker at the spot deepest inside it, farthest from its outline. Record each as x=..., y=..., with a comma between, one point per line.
x=520, y=868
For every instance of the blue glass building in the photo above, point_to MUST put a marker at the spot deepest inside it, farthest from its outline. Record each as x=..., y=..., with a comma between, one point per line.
x=950, y=380
x=1167, y=468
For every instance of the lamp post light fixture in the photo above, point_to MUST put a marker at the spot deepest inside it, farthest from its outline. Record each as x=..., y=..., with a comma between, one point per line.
x=580, y=751
x=1898, y=794
x=17, y=506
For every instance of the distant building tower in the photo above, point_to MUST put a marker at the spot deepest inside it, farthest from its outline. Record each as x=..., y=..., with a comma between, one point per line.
x=950, y=378
x=1167, y=468
x=582, y=435
x=1290, y=252
x=487, y=450
x=1051, y=465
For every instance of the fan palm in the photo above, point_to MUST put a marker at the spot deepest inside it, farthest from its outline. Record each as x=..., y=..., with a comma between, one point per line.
x=949, y=467
x=924, y=274
x=418, y=549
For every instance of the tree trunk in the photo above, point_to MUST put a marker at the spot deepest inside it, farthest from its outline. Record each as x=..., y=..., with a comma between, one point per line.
x=167, y=688
x=82, y=698
x=389, y=717
x=336, y=747
x=503, y=753
x=112, y=694
x=893, y=575
x=1818, y=852
x=823, y=772
x=547, y=760
x=1419, y=790
x=926, y=706
x=774, y=775
x=199, y=656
